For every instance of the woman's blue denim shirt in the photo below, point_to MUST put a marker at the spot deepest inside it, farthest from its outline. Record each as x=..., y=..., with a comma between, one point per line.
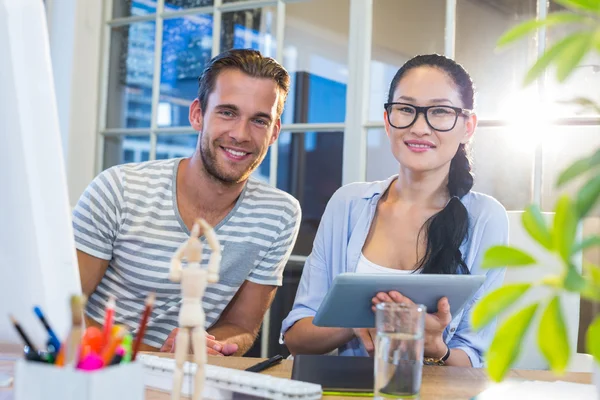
x=340, y=239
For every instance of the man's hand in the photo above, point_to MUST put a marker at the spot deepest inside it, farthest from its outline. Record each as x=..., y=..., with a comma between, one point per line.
x=213, y=347
x=367, y=337
x=435, y=323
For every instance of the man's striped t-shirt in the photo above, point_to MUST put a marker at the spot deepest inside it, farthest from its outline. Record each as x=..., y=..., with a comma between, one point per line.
x=129, y=215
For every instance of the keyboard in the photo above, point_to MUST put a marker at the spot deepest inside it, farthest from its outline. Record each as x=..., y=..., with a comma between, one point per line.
x=225, y=383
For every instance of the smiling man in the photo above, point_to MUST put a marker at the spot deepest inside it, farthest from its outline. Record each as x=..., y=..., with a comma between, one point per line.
x=131, y=218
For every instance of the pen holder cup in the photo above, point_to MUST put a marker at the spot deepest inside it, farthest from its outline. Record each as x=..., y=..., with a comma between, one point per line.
x=36, y=381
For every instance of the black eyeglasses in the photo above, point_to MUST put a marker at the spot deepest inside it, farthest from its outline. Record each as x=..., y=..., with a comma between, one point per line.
x=439, y=118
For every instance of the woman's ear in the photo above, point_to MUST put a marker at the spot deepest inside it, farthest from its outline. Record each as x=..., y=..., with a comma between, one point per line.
x=470, y=125
x=387, y=123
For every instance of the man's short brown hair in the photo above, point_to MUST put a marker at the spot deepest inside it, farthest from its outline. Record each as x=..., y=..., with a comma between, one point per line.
x=248, y=61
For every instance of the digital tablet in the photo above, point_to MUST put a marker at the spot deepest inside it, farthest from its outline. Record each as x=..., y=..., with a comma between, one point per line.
x=348, y=302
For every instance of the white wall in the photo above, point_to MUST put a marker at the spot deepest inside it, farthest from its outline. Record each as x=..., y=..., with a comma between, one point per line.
x=75, y=40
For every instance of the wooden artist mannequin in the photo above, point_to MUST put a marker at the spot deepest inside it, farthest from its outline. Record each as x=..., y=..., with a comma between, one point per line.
x=191, y=315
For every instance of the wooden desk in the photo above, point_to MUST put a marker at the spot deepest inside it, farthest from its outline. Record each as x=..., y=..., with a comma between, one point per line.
x=438, y=382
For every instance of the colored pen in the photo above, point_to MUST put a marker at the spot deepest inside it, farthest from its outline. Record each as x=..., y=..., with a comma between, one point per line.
x=108, y=320
x=91, y=362
x=109, y=350
x=143, y=323
x=53, y=338
x=119, y=354
x=22, y=334
x=126, y=344
x=93, y=339
x=261, y=366
x=36, y=356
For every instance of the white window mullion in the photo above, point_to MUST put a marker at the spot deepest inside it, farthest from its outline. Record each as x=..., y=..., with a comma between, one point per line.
x=104, y=78
x=357, y=94
x=279, y=38
x=542, y=12
x=450, y=29
x=216, y=30
x=158, y=41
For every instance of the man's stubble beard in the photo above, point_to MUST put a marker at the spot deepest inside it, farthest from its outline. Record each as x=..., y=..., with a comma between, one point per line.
x=209, y=161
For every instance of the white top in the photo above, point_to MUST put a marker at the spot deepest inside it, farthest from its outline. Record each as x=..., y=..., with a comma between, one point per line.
x=365, y=266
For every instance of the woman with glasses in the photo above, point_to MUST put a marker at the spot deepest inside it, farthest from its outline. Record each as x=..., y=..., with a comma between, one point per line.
x=423, y=220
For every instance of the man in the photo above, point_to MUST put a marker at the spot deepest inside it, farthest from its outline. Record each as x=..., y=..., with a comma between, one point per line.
x=132, y=218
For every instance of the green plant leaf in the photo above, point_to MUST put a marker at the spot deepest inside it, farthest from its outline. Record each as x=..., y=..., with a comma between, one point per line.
x=495, y=302
x=590, y=241
x=547, y=58
x=506, y=344
x=573, y=281
x=505, y=256
x=564, y=227
x=583, y=102
x=587, y=196
x=534, y=223
x=581, y=5
x=572, y=55
x=593, y=339
x=593, y=271
x=578, y=168
x=524, y=28
x=590, y=292
x=553, y=338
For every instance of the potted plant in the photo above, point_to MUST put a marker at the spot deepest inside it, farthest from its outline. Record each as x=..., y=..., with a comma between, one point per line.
x=558, y=238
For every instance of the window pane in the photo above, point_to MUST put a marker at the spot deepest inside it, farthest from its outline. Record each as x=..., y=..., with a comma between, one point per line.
x=564, y=145
x=125, y=149
x=583, y=82
x=401, y=30
x=502, y=164
x=250, y=29
x=130, y=76
x=315, y=55
x=187, y=44
x=303, y=158
x=175, y=146
x=176, y=5
x=381, y=163
x=263, y=172
x=498, y=75
x=131, y=8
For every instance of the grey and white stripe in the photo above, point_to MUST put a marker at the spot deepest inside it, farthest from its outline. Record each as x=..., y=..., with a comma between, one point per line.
x=129, y=215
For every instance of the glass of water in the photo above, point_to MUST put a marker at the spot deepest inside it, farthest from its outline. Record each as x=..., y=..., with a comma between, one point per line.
x=399, y=350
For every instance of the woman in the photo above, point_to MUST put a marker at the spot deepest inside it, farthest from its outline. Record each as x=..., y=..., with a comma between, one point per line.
x=424, y=220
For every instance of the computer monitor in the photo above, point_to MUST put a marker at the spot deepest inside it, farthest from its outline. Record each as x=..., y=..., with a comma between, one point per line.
x=38, y=264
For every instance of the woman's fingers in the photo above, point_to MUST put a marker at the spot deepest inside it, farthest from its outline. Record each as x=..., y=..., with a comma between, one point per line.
x=366, y=339
x=397, y=297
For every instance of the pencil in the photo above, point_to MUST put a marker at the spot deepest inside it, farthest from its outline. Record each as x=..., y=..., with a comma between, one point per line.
x=108, y=320
x=22, y=334
x=143, y=323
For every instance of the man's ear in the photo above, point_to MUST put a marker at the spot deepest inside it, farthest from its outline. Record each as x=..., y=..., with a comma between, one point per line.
x=470, y=125
x=195, y=116
x=276, y=131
